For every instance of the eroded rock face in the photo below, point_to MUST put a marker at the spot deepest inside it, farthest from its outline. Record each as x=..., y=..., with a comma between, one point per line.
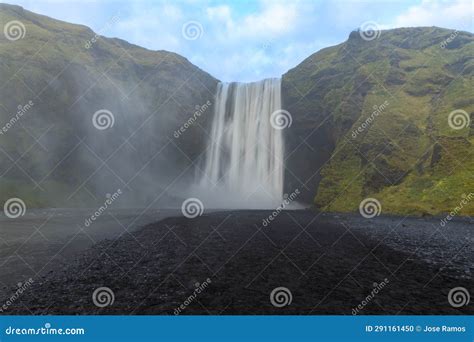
x=370, y=118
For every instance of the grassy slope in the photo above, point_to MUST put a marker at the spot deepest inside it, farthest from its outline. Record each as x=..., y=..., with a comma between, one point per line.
x=408, y=158
x=72, y=82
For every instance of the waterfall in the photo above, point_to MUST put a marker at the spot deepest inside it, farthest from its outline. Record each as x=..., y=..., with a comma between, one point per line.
x=243, y=166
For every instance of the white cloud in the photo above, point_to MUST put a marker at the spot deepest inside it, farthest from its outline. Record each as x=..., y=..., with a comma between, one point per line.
x=151, y=27
x=222, y=13
x=450, y=14
x=275, y=18
x=247, y=41
x=248, y=46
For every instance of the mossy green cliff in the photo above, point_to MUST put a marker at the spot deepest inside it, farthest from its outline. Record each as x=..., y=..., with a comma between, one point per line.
x=371, y=119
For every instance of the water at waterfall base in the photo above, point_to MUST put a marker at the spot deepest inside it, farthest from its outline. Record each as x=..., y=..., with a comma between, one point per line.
x=243, y=164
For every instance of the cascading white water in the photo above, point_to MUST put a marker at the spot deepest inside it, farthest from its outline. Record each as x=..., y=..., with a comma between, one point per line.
x=244, y=161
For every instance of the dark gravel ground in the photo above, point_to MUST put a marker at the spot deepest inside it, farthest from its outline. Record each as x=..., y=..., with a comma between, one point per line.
x=447, y=247
x=330, y=263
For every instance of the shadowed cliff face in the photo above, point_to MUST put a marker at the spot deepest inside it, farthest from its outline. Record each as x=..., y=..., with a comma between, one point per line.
x=372, y=119
x=69, y=73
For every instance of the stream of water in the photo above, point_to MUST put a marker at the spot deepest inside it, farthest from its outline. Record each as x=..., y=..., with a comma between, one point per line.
x=244, y=160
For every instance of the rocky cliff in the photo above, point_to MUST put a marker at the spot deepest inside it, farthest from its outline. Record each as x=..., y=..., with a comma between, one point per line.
x=372, y=118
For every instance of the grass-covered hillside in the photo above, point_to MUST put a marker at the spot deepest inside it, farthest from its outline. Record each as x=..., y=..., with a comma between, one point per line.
x=53, y=155
x=371, y=119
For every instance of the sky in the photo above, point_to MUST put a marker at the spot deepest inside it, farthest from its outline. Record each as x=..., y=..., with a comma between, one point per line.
x=249, y=40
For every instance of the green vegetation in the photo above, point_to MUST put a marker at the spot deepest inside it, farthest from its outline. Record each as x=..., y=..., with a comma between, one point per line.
x=69, y=73
x=408, y=157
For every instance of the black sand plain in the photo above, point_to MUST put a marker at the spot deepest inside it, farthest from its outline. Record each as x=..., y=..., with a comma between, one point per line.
x=331, y=263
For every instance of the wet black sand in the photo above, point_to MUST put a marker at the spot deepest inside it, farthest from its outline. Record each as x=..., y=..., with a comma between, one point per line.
x=329, y=263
